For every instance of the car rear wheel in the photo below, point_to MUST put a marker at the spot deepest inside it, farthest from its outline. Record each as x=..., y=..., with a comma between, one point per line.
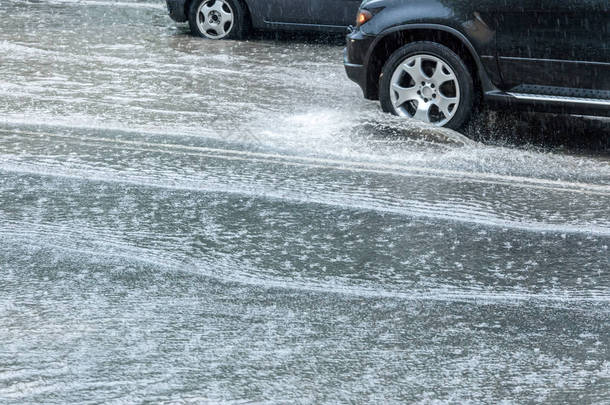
x=428, y=82
x=218, y=19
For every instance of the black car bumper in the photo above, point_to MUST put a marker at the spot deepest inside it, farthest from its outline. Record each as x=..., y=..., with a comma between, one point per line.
x=177, y=10
x=354, y=71
x=355, y=58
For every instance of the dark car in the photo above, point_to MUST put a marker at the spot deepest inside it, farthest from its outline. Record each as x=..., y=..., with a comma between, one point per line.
x=433, y=59
x=217, y=19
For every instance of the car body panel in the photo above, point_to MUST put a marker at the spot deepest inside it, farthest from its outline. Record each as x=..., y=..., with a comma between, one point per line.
x=554, y=43
x=306, y=12
x=470, y=18
x=177, y=10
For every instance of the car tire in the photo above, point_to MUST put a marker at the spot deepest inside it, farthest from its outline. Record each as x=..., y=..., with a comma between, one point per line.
x=412, y=85
x=218, y=19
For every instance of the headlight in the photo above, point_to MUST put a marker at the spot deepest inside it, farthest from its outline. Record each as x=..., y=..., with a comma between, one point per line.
x=363, y=17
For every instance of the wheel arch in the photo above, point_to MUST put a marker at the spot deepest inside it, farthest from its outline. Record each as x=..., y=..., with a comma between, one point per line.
x=391, y=40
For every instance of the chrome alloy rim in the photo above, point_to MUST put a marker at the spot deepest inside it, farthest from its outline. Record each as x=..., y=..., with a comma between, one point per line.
x=215, y=18
x=425, y=88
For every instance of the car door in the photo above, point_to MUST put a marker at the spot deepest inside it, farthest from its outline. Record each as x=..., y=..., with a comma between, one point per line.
x=317, y=12
x=560, y=43
x=336, y=12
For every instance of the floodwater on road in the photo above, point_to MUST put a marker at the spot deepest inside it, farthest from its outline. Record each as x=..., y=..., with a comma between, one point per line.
x=208, y=221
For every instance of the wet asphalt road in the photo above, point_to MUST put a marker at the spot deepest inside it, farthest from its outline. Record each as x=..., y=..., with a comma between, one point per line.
x=194, y=221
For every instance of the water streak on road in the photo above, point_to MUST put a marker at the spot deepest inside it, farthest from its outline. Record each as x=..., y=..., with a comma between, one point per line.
x=195, y=220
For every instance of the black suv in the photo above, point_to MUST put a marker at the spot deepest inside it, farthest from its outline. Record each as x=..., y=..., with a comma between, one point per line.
x=433, y=59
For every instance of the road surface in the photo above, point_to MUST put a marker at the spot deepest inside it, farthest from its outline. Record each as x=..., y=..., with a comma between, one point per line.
x=190, y=220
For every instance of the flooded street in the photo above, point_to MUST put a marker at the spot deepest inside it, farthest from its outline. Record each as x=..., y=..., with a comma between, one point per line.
x=208, y=221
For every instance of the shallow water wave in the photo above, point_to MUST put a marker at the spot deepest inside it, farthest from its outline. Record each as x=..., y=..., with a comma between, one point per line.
x=458, y=210
x=253, y=233
x=417, y=147
x=395, y=169
x=224, y=270
x=127, y=245
x=464, y=337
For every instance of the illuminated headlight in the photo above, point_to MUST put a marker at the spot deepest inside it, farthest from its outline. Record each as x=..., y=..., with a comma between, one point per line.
x=363, y=17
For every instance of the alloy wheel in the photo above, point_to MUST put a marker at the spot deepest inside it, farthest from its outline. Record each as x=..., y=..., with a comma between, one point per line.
x=215, y=18
x=425, y=87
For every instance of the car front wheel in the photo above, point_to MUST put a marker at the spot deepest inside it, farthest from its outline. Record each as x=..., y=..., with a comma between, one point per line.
x=218, y=19
x=428, y=82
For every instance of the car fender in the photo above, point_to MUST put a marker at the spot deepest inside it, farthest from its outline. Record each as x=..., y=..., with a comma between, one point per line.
x=482, y=69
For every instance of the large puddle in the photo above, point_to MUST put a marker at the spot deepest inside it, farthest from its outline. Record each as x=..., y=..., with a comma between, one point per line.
x=192, y=220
